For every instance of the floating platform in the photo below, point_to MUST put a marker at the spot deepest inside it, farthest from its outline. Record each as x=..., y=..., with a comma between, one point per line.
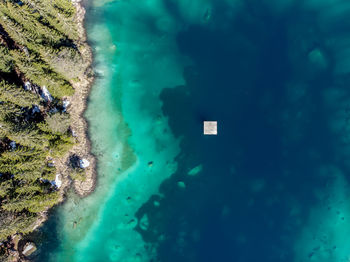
x=210, y=127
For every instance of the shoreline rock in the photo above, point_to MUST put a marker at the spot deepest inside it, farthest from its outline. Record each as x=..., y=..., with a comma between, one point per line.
x=76, y=109
x=78, y=106
x=28, y=249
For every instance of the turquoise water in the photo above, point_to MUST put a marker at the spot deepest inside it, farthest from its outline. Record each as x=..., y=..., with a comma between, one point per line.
x=272, y=186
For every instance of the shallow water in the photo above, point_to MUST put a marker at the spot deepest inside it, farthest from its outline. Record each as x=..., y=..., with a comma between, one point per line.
x=272, y=186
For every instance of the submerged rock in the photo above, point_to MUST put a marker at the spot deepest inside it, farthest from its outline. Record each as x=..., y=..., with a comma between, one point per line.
x=138, y=257
x=144, y=222
x=207, y=15
x=257, y=185
x=181, y=184
x=131, y=223
x=225, y=211
x=194, y=171
x=317, y=58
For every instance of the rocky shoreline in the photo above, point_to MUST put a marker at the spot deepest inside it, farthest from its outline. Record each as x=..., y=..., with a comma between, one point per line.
x=82, y=148
x=76, y=110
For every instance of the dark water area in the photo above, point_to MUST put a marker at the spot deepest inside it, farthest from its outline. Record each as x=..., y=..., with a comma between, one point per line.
x=255, y=75
x=49, y=238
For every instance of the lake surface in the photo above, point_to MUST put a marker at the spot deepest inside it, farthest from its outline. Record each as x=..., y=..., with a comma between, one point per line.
x=272, y=186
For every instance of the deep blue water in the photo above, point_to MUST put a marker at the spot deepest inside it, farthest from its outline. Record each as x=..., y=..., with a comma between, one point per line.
x=252, y=73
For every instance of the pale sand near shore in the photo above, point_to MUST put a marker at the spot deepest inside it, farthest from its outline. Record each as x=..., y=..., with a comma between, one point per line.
x=103, y=2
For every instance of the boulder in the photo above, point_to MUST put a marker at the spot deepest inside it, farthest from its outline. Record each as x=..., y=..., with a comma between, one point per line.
x=74, y=134
x=84, y=163
x=194, y=171
x=51, y=163
x=13, y=145
x=28, y=249
x=53, y=110
x=35, y=109
x=27, y=86
x=66, y=103
x=181, y=184
x=58, y=181
x=45, y=94
x=318, y=58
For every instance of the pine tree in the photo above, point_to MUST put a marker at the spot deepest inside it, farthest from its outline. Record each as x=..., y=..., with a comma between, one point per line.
x=61, y=145
x=11, y=224
x=30, y=21
x=18, y=96
x=16, y=31
x=9, y=110
x=28, y=137
x=33, y=204
x=29, y=189
x=40, y=45
x=56, y=123
x=41, y=202
x=35, y=175
x=59, y=14
x=66, y=61
x=22, y=153
x=6, y=64
x=41, y=74
x=5, y=186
